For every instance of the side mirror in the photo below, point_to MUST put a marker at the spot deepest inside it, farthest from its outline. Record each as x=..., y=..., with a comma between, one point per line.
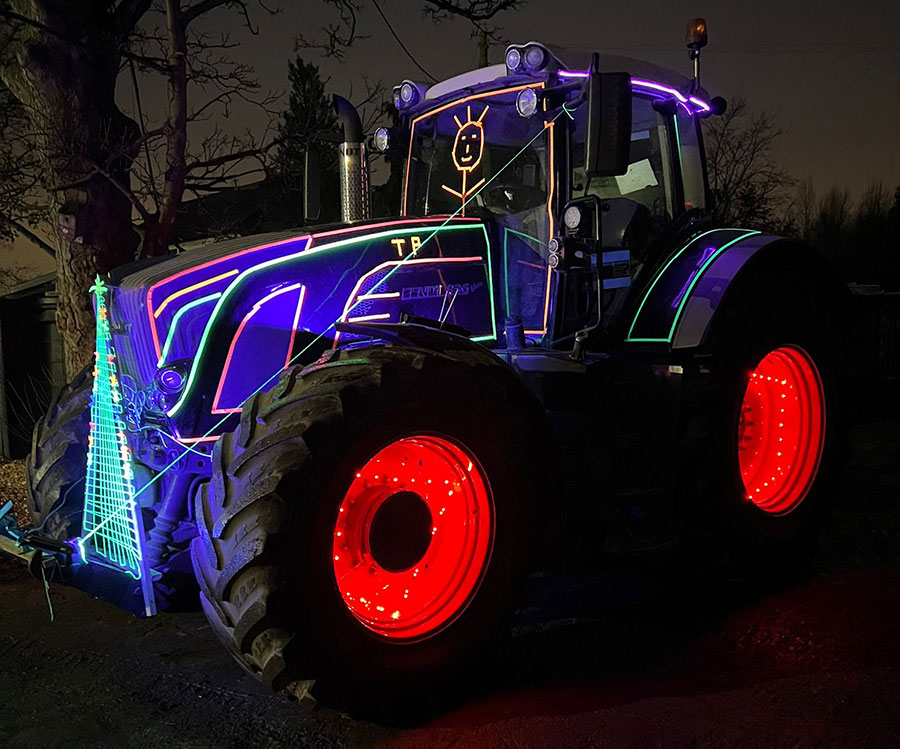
x=608, y=136
x=312, y=189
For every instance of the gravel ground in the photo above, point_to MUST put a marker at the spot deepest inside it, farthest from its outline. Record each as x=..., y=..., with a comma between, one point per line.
x=613, y=660
x=12, y=486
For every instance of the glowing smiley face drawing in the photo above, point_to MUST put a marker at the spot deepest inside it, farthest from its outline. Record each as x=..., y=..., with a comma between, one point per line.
x=468, y=149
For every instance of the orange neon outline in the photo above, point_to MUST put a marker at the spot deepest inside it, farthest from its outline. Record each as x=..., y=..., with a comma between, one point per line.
x=438, y=110
x=349, y=304
x=256, y=308
x=552, y=144
x=258, y=248
x=188, y=289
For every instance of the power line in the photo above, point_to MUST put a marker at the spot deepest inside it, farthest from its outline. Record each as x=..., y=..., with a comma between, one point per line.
x=402, y=45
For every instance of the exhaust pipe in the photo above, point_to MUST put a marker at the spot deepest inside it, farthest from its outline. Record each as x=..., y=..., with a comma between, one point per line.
x=353, y=167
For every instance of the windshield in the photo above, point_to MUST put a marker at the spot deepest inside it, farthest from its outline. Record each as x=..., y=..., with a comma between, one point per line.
x=478, y=157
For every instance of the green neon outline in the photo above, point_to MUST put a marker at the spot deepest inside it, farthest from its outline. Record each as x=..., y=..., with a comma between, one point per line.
x=170, y=335
x=490, y=274
x=678, y=145
x=687, y=293
x=277, y=261
x=506, y=232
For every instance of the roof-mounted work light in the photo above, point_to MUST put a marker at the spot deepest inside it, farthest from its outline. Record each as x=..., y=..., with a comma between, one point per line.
x=529, y=58
x=408, y=93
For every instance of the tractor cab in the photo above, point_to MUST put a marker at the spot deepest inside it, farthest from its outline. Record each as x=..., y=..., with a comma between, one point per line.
x=595, y=157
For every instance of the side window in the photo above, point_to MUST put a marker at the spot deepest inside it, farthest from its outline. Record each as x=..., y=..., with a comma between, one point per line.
x=687, y=132
x=649, y=179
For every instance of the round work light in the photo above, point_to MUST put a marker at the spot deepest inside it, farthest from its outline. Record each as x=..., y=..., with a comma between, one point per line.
x=535, y=57
x=407, y=93
x=381, y=139
x=572, y=217
x=527, y=102
x=513, y=58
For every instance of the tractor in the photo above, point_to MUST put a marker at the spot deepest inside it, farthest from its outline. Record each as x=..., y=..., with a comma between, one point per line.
x=358, y=440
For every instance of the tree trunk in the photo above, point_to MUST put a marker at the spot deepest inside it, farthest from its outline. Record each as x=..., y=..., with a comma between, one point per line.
x=64, y=71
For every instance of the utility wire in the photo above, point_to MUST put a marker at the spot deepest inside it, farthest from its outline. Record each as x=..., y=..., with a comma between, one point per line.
x=402, y=45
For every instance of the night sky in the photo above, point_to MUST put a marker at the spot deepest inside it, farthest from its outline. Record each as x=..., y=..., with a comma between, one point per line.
x=829, y=69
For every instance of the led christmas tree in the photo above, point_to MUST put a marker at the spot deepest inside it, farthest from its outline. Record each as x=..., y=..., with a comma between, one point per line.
x=111, y=529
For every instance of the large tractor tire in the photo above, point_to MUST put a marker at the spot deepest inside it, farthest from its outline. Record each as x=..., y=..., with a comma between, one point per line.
x=56, y=466
x=367, y=525
x=762, y=438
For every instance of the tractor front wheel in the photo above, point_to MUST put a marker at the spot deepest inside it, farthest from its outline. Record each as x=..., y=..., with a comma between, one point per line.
x=367, y=525
x=56, y=466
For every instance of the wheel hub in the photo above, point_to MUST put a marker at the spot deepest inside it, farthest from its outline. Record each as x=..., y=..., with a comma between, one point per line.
x=400, y=531
x=781, y=430
x=413, y=537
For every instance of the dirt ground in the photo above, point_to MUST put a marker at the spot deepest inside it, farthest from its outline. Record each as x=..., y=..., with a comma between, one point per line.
x=606, y=659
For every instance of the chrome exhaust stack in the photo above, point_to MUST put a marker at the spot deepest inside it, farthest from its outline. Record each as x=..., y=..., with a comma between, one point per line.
x=353, y=164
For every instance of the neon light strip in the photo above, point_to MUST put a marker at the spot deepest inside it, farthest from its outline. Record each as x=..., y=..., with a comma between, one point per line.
x=365, y=318
x=256, y=308
x=270, y=245
x=386, y=295
x=438, y=110
x=207, y=437
x=294, y=325
x=640, y=83
x=171, y=334
x=278, y=261
x=189, y=289
x=550, y=216
x=687, y=293
x=700, y=103
x=350, y=303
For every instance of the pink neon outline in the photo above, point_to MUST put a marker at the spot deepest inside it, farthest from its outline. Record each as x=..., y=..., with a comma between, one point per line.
x=349, y=305
x=309, y=243
x=192, y=440
x=651, y=85
x=363, y=318
x=256, y=308
x=384, y=295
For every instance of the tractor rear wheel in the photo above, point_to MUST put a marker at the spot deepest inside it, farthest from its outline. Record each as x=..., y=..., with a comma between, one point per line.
x=56, y=466
x=367, y=525
x=762, y=432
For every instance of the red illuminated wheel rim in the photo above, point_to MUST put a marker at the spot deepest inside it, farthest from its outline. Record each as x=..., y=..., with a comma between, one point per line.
x=413, y=537
x=781, y=430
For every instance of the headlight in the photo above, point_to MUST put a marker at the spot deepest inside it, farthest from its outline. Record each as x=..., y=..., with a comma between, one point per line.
x=513, y=58
x=572, y=217
x=527, y=102
x=170, y=380
x=407, y=92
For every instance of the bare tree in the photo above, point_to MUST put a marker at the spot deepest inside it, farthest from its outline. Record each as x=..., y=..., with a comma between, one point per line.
x=61, y=60
x=479, y=13
x=749, y=187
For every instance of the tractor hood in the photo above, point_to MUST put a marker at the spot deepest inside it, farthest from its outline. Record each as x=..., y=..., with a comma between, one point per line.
x=211, y=326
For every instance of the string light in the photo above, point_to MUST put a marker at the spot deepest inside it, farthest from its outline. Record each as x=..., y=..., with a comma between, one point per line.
x=110, y=520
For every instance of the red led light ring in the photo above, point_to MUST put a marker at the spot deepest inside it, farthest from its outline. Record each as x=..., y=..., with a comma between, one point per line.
x=781, y=432
x=417, y=601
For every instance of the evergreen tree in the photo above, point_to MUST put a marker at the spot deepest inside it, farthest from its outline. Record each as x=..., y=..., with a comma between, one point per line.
x=309, y=116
